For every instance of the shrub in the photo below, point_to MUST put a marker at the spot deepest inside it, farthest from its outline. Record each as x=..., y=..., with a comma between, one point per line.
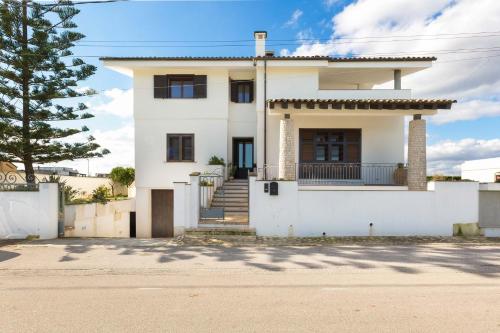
x=214, y=160
x=206, y=183
x=101, y=194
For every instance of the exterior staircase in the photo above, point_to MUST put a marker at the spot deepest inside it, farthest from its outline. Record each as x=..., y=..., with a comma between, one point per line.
x=233, y=196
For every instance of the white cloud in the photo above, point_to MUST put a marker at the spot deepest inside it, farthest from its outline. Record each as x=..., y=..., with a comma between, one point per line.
x=120, y=141
x=474, y=83
x=330, y=3
x=470, y=110
x=450, y=77
x=115, y=102
x=294, y=19
x=446, y=156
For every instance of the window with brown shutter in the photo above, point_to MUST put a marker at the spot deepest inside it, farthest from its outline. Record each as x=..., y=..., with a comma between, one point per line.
x=180, y=86
x=160, y=86
x=241, y=91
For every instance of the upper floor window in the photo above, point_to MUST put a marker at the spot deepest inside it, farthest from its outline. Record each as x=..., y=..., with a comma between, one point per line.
x=241, y=91
x=180, y=147
x=180, y=86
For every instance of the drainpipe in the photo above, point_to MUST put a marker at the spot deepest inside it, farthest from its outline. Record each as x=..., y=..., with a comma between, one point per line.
x=265, y=118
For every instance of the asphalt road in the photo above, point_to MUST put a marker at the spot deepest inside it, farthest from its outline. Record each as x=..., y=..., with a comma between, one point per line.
x=118, y=286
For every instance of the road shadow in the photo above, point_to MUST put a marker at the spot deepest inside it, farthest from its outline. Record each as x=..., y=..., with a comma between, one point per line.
x=7, y=255
x=480, y=260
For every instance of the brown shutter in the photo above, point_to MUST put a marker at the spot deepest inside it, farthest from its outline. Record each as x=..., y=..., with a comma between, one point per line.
x=160, y=86
x=251, y=90
x=200, y=86
x=234, y=91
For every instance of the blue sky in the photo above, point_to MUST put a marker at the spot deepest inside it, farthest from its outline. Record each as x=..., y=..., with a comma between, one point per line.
x=471, y=131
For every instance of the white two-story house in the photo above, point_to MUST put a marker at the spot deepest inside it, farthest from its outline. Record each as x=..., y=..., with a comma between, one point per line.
x=315, y=121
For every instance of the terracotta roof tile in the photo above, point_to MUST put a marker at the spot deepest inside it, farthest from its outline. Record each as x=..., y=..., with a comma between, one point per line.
x=247, y=58
x=429, y=104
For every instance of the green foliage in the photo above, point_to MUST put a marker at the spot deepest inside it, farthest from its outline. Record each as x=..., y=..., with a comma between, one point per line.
x=443, y=178
x=38, y=76
x=124, y=176
x=214, y=160
x=100, y=194
x=206, y=183
x=232, y=170
x=70, y=194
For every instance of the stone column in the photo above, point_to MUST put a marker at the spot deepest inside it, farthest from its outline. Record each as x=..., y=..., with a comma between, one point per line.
x=417, y=161
x=286, y=169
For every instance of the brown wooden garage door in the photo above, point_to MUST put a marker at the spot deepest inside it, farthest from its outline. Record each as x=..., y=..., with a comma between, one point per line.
x=162, y=213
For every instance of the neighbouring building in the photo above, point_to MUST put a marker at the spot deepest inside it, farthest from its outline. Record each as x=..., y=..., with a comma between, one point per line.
x=483, y=171
x=6, y=167
x=59, y=171
x=314, y=148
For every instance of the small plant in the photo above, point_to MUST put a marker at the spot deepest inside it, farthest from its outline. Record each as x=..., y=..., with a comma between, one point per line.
x=206, y=183
x=100, y=195
x=214, y=160
x=70, y=194
x=232, y=170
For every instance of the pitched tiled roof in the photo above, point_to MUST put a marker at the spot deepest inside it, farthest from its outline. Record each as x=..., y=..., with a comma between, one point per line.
x=386, y=104
x=330, y=59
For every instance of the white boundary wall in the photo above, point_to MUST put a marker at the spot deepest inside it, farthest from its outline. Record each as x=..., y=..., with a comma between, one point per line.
x=304, y=212
x=98, y=220
x=28, y=213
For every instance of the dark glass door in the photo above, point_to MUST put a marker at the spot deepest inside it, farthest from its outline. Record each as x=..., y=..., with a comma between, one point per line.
x=243, y=157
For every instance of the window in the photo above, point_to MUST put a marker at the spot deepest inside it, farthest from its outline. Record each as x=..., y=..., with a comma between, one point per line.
x=180, y=147
x=241, y=91
x=180, y=86
x=330, y=145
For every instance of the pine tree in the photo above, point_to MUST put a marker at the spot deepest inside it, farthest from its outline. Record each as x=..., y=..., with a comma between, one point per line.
x=38, y=77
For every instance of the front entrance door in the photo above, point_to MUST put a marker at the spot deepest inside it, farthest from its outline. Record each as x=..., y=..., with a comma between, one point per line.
x=243, y=157
x=162, y=213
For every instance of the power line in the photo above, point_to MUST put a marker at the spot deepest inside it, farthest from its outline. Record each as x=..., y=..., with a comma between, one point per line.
x=296, y=39
x=297, y=43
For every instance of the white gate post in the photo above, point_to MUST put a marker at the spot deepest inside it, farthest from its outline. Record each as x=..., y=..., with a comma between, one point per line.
x=195, y=199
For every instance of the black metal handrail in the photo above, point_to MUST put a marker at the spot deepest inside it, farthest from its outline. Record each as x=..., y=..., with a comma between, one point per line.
x=338, y=173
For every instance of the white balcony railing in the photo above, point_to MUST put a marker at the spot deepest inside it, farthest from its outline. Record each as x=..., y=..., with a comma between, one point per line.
x=364, y=94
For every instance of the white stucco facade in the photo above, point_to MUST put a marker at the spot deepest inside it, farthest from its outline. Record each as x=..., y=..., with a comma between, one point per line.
x=216, y=121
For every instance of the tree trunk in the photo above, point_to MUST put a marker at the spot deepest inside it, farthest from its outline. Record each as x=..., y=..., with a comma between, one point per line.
x=27, y=154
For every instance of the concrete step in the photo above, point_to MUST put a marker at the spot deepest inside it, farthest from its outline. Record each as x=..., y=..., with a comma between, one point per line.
x=235, y=188
x=230, y=204
x=236, y=209
x=230, y=199
x=236, y=183
x=231, y=196
x=234, y=192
